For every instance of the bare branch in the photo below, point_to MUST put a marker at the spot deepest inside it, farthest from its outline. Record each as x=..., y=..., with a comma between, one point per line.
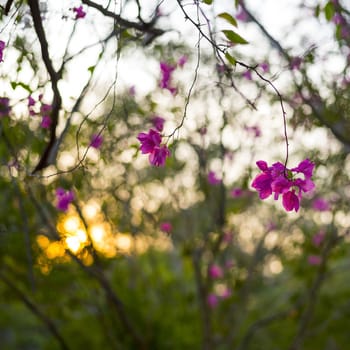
x=48, y=157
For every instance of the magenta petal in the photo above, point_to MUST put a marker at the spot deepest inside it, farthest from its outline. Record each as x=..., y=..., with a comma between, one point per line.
x=290, y=201
x=306, y=167
x=262, y=183
x=262, y=165
x=159, y=155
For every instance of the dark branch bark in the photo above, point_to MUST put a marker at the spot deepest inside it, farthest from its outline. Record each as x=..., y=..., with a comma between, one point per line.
x=48, y=157
x=8, y=7
x=146, y=27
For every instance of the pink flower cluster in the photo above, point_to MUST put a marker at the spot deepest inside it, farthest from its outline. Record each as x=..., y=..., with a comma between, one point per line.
x=96, y=141
x=320, y=204
x=342, y=24
x=317, y=241
x=213, y=179
x=5, y=108
x=280, y=180
x=2, y=47
x=64, y=198
x=79, y=12
x=151, y=143
x=166, y=71
x=213, y=298
x=238, y=192
x=215, y=271
x=314, y=260
x=45, y=111
x=295, y=63
x=166, y=227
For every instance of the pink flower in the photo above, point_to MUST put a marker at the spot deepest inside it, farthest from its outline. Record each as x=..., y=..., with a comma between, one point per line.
x=64, y=198
x=295, y=63
x=215, y=271
x=31, y=101
x=45, y=108
x=212, y=300
x=236, y=192
x=338, y=19
x=182, y=61
x=242, y=15
x=203, y=130
x=228, y=237
x=306, y=167
x=158, y=123
x=149, y=141
x=159, y=155
x=262, y=183
x=96, y=141
x=2, y=47
x=221, y=68
x=290, y=201
x=166, y=73
x=166, y=227
x=345, y=33
x=255, y=130
x=278, y=179
x=248, y=75
x=265, y=67
x=314, y=260
x=213, y=179
x=318, y=238
x=132, y=90
x=5, y=108
x=46, y=122
x=79, y=12
x=320, y=204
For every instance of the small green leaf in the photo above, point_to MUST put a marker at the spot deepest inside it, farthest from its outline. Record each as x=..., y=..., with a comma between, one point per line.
x=208, y=2
x=231, y=59
x=226, y=16
x=234, y=37
x=329, y=10
x=91, y=69
x=317, y=11
x=14, y=85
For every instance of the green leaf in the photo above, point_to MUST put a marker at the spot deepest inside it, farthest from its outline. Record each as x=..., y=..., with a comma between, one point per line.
x=208, y=2
x=226, y=16
x=317, y=11
x=231, y=59
x=234, y=37
x=329, y=10
x=14, y=85
x=91, y=69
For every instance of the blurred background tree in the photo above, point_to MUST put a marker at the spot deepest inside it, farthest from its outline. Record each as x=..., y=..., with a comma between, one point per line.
x=101, y=250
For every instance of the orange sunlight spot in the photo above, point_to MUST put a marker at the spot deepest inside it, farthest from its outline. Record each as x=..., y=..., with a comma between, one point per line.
x=43, y=241
x=55, y=250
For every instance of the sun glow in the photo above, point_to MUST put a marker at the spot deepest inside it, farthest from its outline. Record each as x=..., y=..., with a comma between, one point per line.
x=79, y=234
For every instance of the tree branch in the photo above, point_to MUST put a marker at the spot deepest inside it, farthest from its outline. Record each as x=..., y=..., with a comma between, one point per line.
x=36, y=311
x=48, y=157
